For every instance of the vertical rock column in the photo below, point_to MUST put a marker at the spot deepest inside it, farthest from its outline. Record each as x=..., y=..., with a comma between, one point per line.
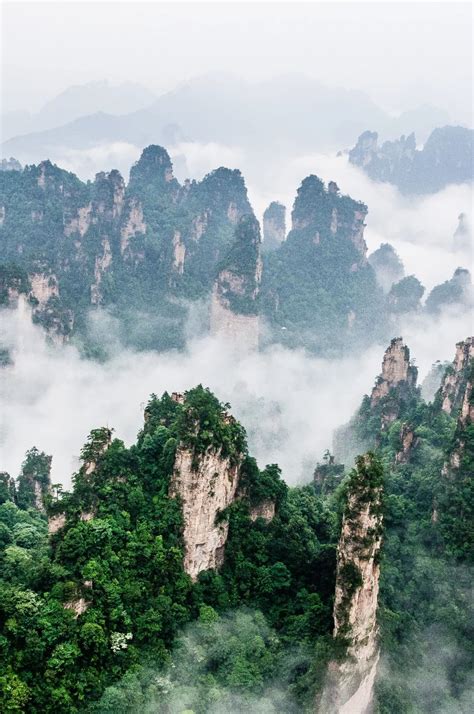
x=350, y=681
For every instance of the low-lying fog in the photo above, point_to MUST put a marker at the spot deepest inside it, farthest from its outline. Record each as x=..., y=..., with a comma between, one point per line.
x=289, y=401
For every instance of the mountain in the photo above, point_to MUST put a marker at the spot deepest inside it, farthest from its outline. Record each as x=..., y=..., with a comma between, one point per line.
x=446, y=158
x=177, y=574
x=142, y=250
x=222, y=109
x=148, y=250
x=318, y=287
x=78, y=101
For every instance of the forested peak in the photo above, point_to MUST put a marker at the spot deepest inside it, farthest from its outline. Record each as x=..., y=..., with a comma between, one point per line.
x=114, y=177
x=47, y=176
x=405, y=295
x=195, y=419
x=154, y=166
x=445, y=158
x=244, y=255
x=274, y=226
x=10, y=164
x=455, y=291
x=324, y=208
x=387, y=265
x=34, y=481
x=107, y=183
x=224, y=190
x=247, y=232
x=385, y=253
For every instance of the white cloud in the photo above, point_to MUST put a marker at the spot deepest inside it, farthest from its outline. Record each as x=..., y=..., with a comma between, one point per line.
x=290, y=402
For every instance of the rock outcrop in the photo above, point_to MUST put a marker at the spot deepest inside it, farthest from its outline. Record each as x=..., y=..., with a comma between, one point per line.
x=274, y=226
x=453, y=386
x=234, y=315
x=446, y=158
x=397, y=372
x=43, y=288
x=349, y=688
x=394, y=391
x=206, y=486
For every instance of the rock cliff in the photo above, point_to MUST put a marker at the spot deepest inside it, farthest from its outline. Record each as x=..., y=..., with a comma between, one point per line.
x=206, y=486
x=395, y=390
x=397, y=372
x=350, y=683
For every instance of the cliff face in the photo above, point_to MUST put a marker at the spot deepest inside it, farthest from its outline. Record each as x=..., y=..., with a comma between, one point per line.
x=205, y=489
x=453, y=386
x=445, y=158
x=350, y=682
x=234, y=300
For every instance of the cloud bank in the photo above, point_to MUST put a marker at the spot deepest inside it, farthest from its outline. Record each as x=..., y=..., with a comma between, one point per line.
x=290, y=402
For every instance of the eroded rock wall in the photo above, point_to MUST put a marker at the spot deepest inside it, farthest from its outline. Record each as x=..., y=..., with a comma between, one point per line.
x=206, y=485
x=349, y=688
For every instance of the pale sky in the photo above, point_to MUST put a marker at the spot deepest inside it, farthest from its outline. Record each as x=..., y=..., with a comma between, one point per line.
x=402, y=54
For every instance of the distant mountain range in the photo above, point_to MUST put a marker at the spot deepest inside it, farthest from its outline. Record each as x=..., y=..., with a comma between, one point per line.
x=75, y=102
x=283, y=115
